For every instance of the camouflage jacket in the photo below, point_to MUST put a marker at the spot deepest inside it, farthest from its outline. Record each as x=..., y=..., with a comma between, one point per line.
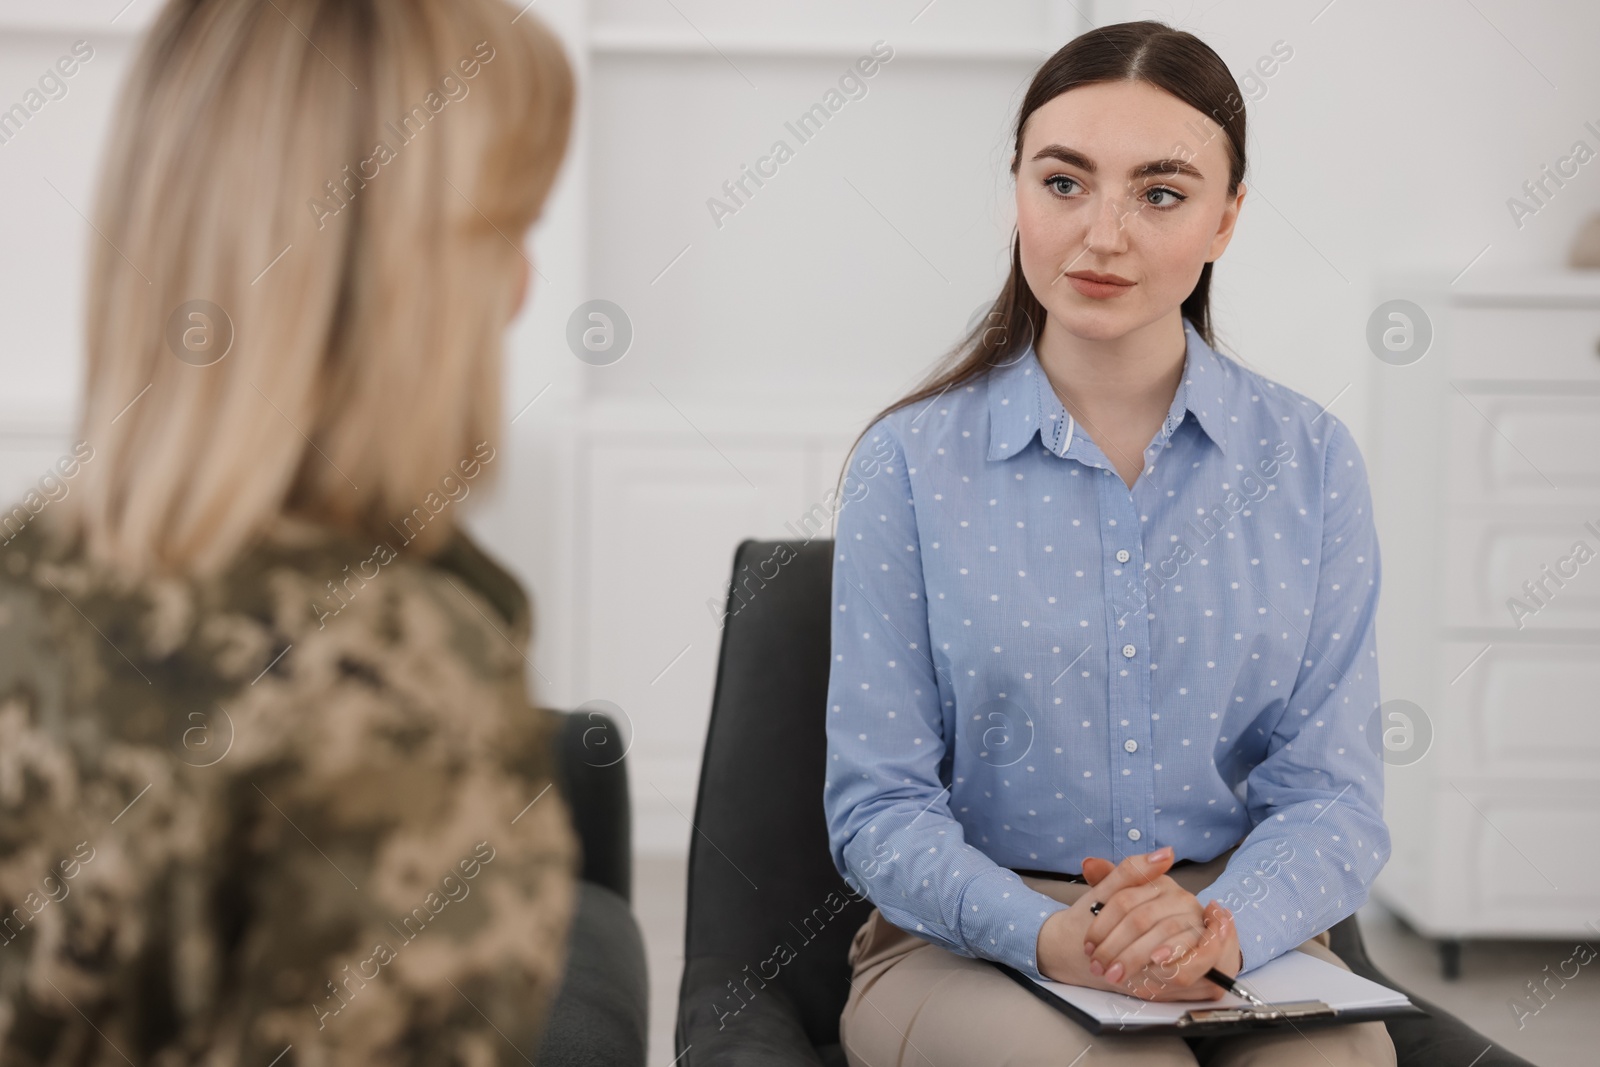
x=298, y=815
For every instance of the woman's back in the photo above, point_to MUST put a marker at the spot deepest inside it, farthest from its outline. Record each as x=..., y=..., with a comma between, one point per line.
x=297, y=804
x=272, y=793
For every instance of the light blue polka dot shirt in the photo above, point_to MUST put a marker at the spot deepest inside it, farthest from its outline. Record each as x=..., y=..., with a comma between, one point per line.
x=1032, y=663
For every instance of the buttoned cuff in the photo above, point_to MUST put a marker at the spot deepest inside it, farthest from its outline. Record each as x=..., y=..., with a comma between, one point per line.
x=1001, y=917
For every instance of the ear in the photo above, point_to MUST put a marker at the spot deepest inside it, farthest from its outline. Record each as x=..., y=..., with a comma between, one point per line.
x=1224, y=234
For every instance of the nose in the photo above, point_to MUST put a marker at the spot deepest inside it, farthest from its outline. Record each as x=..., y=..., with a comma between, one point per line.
x=1107, y=232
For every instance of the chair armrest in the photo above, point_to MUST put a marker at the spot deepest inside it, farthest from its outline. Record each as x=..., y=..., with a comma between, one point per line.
x=1441, y=1038
x=1444, y=1039
x=592, y=774
x=600, y=1015
x=755, y=1027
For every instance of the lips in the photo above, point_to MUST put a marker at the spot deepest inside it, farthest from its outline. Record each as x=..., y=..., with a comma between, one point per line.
x=1104, y=279
x=1099, y=286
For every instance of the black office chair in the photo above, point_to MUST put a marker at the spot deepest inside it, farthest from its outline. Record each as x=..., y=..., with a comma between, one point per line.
x=760, y=873
x=599, y=1017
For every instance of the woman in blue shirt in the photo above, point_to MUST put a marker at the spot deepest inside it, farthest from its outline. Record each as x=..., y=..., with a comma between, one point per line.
x=1103, y=626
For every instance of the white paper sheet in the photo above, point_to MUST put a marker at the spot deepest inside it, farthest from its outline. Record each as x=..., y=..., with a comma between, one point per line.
x=1295, y=975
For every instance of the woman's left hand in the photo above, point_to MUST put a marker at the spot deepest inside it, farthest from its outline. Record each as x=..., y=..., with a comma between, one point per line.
x=1150, y=920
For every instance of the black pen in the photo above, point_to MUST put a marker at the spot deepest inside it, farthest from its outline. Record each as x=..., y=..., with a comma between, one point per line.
x=1213, y=975
x=1237, y=989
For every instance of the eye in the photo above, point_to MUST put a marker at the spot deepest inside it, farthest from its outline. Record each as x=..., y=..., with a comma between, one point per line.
x=1160, y=189
x=1052, y=181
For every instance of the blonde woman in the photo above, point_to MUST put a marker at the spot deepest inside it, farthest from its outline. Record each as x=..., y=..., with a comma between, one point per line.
x=271, y=788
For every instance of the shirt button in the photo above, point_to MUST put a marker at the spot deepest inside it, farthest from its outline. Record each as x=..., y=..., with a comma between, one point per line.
x=1122, y=555
x=1128, y=651
x=1130, y=745
x=1134, y=834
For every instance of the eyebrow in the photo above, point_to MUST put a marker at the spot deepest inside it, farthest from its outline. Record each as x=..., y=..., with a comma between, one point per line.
x=1154, y=168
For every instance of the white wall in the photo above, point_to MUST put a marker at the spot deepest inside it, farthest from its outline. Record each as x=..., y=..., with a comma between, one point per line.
x=1393, y=137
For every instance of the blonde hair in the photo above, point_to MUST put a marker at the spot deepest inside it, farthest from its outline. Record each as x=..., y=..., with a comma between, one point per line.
x=339, y=184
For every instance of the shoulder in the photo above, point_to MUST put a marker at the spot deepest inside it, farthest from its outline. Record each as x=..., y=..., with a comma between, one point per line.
x=305, y=611
x=1274, y=425
x=465, y=559
x=431, y=624
x=339, y=568
x=948, y=424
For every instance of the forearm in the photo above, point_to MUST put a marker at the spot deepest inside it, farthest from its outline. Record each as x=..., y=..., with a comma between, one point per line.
x=926, y=880
x=1291, y=880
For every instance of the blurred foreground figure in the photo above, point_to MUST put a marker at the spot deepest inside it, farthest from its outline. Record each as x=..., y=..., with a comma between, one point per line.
x=272, y=790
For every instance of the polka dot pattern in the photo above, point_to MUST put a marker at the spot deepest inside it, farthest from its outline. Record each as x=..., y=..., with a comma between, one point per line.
x=1033, y=663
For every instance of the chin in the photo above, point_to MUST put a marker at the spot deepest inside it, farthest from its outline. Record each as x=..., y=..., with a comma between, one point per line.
x=1097, y=323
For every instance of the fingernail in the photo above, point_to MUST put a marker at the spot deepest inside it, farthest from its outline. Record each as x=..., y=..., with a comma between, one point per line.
x=1162, y=853
x=1161, y=953
x=1096, y=968
x=1115, y=973
x=1088, y=948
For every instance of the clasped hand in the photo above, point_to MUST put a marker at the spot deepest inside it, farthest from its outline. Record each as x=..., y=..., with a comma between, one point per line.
x=1152, y=939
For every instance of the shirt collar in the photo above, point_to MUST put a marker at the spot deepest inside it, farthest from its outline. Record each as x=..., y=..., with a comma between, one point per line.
x=1022, y=403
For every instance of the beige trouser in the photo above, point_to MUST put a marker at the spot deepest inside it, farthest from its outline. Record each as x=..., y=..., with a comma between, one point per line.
x=914, y=1004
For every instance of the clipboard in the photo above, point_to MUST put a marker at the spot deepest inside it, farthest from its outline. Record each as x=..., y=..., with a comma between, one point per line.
x=1217, y=1017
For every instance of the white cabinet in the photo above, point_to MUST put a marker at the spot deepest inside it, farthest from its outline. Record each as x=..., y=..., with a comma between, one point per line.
x=1486, y=480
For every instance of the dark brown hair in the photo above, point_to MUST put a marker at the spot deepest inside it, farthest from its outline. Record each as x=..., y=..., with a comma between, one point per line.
x=1170, y=59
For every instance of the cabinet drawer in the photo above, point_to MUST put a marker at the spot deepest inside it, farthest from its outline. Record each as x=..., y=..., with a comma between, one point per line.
x=1533, y=448
x=1490, y=557
x=1529, y=857
x=1521, y=711
x=1523, y=344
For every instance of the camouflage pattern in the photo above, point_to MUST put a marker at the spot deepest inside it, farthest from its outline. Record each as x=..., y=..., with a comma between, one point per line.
x=231, y=835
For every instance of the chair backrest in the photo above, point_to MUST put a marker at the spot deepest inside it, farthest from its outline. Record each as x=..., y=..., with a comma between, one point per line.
x=760, y=873
x=592, y=774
